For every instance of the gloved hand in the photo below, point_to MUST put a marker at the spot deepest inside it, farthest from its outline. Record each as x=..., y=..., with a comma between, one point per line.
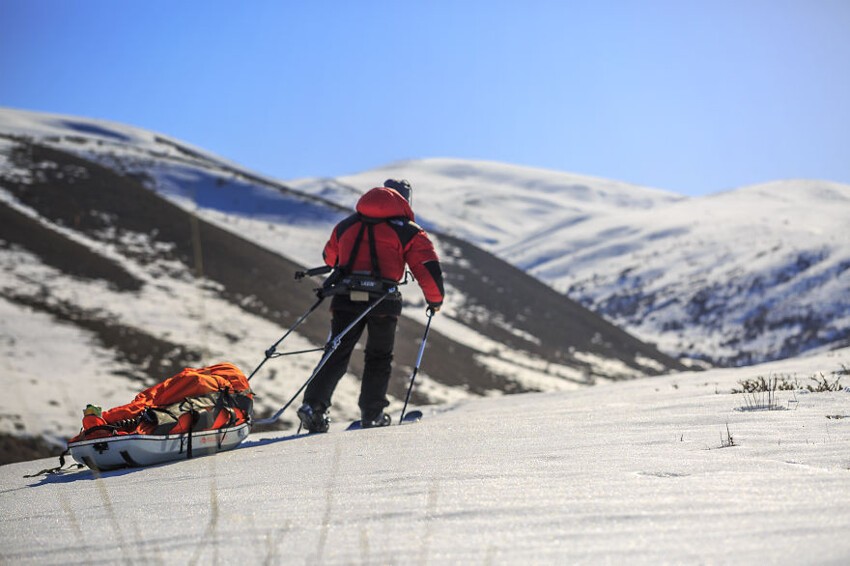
x=434, y=307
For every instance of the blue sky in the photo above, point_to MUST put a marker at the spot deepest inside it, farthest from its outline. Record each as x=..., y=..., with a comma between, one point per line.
x=689, y=96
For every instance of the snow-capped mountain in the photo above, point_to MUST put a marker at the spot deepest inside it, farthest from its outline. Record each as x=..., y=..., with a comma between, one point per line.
x=128, y=255
x=494, y=205
x=754, y=274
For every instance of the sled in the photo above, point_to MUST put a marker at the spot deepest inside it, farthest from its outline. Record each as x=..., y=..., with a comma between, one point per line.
x=134, y=450
x=197, y=412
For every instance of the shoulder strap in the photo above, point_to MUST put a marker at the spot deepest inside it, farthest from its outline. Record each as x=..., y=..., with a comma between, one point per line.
x=359, y=238
x=373, y=250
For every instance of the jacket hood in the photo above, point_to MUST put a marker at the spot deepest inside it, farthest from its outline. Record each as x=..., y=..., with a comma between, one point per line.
x=382, y=202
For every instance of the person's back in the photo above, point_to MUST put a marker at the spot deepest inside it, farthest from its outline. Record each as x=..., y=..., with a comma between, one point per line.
x=375, y=243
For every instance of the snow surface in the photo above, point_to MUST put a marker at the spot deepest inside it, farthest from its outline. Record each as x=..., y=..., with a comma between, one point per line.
x=633, y=472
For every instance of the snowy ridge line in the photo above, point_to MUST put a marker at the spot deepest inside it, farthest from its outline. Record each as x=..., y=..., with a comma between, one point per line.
x=130, y=141
x=653, y=269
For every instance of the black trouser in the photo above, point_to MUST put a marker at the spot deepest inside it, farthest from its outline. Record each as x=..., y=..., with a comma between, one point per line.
x=378, y=357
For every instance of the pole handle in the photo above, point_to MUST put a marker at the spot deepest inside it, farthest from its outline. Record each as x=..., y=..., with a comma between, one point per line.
x=314, y=271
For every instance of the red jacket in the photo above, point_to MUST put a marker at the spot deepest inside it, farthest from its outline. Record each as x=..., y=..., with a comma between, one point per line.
x=398, y=241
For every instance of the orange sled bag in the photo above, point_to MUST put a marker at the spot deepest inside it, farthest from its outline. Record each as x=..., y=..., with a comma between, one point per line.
x=196, y=412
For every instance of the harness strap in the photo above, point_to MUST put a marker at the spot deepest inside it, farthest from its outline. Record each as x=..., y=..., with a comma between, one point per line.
x=373, y=249
x=349, y=267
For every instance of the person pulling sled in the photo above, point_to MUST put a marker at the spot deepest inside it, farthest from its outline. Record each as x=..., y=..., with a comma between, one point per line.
x=369, y=251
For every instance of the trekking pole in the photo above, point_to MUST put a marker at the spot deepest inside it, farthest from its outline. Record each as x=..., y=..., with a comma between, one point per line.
x=298, y=275
x=331, y=347
x=430, y=312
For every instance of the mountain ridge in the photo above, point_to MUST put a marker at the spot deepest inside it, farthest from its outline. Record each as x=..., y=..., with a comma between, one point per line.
x=678, y=272
x=154, y=271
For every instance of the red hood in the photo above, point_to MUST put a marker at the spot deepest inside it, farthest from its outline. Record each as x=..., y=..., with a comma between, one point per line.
x=381, y=202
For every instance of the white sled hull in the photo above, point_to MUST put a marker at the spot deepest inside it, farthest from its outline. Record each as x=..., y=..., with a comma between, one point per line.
x=146, y=450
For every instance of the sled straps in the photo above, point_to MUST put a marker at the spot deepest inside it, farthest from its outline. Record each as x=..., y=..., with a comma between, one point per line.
x=56, y=470
x=270, y=353
x=195, y=416
x=330, y=347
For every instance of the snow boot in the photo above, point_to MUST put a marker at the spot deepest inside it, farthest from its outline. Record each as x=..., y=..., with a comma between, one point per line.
x=372, y=421
x=313, y=419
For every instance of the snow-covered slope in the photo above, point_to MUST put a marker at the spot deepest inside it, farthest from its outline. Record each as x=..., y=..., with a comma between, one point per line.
x=127, y=255
x=754, y=274
x=493, y=204
x=641, y=472
x=758, y=273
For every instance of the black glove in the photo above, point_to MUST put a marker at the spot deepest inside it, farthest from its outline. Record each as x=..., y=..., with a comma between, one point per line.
x=434, y=307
